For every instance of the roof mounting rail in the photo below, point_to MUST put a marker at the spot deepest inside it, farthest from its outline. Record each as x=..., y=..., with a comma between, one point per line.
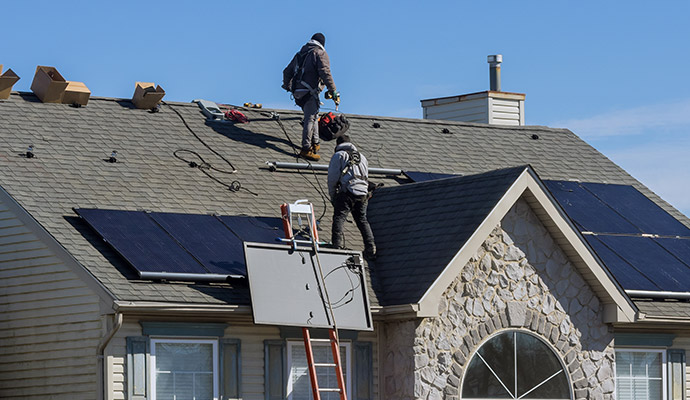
x=274, y=165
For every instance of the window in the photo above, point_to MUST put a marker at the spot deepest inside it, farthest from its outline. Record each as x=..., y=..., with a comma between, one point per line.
x=515, y=365
x=640, y=374
x=299, y=385
x=184, y=369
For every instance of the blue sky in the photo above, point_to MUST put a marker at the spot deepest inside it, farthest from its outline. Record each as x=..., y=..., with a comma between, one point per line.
x=613, y=72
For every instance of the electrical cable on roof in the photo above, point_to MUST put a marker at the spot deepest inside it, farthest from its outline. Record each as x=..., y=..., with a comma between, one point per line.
x=200, y=139
x=204, y=167
x=319, y=189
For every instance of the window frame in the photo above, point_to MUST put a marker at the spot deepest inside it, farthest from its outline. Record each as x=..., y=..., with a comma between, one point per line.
x=556, y=354
x=664, y=366
x=348, y=363
x=215, y=355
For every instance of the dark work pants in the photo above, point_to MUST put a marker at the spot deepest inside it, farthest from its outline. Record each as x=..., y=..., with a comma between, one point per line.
x=343, y=204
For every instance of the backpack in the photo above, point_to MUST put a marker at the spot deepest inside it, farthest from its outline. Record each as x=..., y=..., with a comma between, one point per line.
x=331, y=126
x=292, y=75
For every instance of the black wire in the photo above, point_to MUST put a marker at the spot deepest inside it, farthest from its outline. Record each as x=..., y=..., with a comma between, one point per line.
x=200, y=139
x=349, y=291
x=204, y=167
x=325, y=198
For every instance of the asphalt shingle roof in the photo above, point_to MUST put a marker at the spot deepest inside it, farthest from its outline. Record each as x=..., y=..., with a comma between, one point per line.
x=421, y=226
x=71, y=145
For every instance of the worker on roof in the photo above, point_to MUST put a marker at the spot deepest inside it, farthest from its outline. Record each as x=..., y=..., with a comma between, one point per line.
x=348, y=186
x=305, y=77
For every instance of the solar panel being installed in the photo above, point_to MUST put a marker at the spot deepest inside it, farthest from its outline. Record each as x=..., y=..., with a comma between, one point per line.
x=192, y=247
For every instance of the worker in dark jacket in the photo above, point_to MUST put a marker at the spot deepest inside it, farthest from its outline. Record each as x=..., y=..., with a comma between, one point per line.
x=348, y=184
x=305, y=77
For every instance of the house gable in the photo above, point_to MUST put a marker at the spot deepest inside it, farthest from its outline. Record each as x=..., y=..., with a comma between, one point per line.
x=617, y=306
x=51, y=312
x=519, y=279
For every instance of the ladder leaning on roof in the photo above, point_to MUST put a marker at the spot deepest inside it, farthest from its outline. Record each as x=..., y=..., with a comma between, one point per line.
x=301, y=208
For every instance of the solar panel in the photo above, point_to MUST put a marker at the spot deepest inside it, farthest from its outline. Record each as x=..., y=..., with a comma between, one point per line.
x=141, y=241
x=638, y=209
x=182, y=246
x=589, y=213
x=652, y=260
x=207, y=239
x=626, y=274
x=642, y=245
x=417, y=176
x=680, y=248
x=285, y=289
x=254, y=229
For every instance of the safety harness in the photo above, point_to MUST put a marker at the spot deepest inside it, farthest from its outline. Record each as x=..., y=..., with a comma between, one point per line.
x=299, y=73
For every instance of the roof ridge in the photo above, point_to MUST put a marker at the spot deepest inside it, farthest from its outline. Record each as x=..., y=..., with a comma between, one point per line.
x=373, y=118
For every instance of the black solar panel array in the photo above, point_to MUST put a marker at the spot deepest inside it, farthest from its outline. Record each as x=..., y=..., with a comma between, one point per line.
x=196, y=245
x=643, y=246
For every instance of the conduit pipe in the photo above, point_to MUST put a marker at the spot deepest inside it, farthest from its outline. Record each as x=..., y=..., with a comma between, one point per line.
x=274, y=165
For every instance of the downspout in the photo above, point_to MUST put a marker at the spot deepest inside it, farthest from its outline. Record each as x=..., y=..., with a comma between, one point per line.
x=101, y=352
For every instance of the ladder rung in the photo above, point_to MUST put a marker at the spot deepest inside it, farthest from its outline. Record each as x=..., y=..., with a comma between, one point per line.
x=329, y=390
x=324, y=364
x=320, y=340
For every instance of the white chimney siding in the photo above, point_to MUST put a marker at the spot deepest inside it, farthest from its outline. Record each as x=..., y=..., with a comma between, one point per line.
x=497, y=108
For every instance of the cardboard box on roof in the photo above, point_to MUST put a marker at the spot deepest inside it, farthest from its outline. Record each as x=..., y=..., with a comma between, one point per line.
x=7, y=80
x=48, y=84
x=147, y=95
x=76, y=93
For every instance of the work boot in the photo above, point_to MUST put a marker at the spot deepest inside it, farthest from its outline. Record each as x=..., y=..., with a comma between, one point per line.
x=315, y=148
x=309, y=154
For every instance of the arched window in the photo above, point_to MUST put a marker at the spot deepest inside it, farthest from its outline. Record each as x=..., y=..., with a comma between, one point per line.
x=515, y=365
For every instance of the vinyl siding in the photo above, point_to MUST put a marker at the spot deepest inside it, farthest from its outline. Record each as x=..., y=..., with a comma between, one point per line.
x=49, y=319
x=480, y=109
x=251, y=338
x=475, y=110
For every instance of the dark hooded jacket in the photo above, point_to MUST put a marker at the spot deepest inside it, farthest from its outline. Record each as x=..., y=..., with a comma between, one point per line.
x=317, y=71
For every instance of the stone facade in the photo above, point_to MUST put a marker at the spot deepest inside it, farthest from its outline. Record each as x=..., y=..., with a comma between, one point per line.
x=518, y=279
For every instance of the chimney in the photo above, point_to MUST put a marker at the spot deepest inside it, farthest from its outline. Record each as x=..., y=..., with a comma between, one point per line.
x=495, y=72
x=490, y=107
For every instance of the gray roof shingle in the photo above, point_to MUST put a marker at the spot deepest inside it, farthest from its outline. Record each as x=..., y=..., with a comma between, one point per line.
x=71, y=145
x=421, y=226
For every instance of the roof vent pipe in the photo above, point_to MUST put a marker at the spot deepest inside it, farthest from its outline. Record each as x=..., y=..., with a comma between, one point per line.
x=495, y=72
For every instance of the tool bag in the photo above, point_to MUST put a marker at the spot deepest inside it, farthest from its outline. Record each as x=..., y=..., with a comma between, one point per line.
x=331, y=126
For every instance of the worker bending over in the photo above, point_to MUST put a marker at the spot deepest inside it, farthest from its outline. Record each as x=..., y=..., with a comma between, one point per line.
x=348, y=184
x=305, y=77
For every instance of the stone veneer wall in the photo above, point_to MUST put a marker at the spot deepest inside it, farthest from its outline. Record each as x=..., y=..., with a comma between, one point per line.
x=518, y=279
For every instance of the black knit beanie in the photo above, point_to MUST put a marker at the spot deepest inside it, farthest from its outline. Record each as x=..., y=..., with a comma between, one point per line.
x=319, y=37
